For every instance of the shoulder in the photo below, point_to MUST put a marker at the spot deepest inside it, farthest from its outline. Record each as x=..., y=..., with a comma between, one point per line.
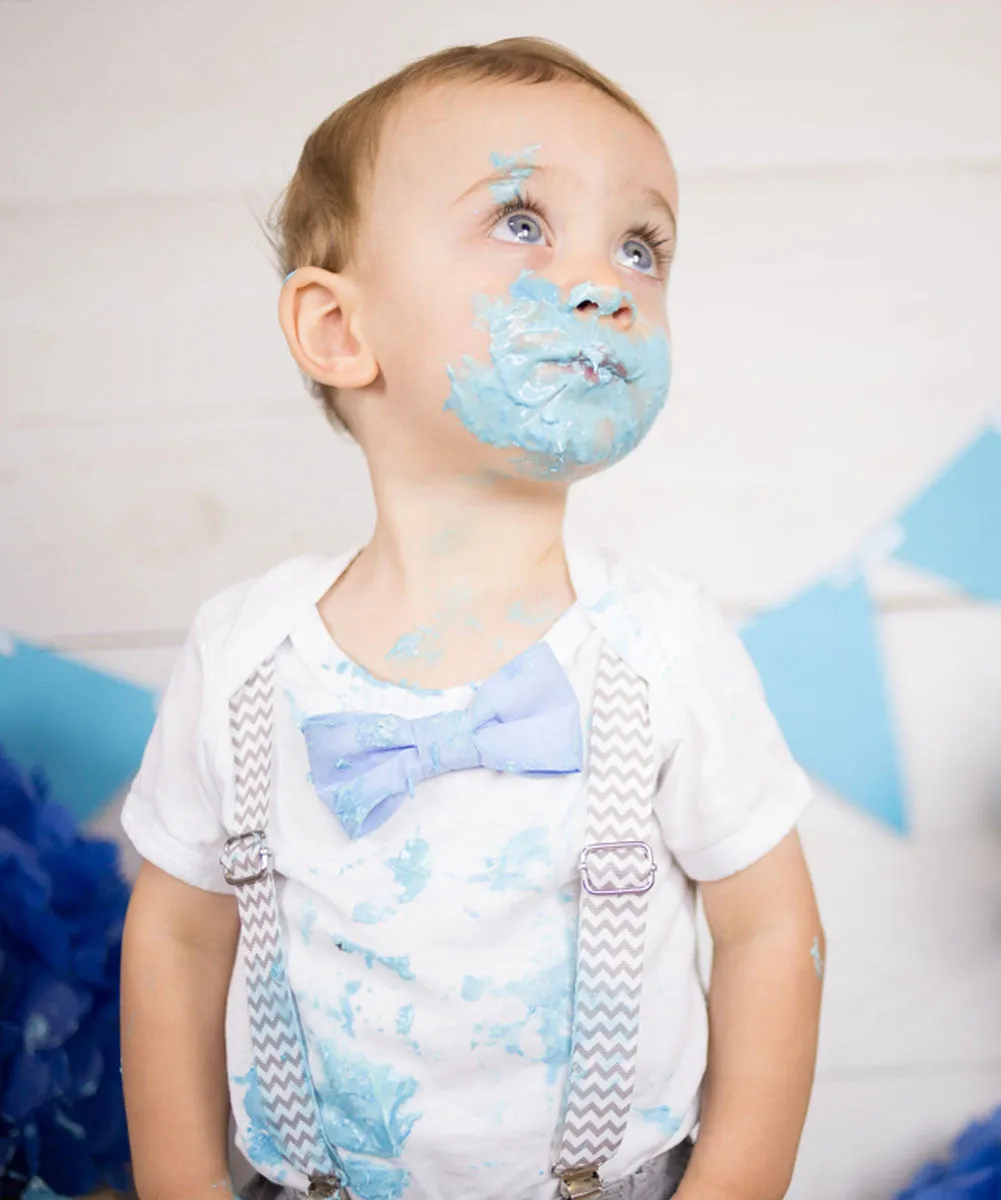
x=239, y=626
x=669, y=629
x=655, y=617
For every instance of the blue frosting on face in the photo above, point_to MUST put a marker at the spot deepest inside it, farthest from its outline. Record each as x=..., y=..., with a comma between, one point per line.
x=516, y=167
x=570, y=390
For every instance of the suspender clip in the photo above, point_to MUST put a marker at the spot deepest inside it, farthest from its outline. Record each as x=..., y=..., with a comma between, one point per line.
x=581, y=1183
x=644, y=884
x=327, y=1187
x=242, y=854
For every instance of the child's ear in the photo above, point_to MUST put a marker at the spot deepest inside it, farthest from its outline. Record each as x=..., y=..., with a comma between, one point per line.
x=318, y=315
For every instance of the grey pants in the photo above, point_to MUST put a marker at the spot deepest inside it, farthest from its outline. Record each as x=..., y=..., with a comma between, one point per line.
x=657, y=1179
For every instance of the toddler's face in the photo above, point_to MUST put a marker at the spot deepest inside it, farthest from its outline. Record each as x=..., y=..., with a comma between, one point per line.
x=512, y=274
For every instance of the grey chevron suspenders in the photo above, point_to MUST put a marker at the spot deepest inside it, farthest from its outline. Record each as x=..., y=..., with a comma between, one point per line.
x=280, y=1059
x=616, y=869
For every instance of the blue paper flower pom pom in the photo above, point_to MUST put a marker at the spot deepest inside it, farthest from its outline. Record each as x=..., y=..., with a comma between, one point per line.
x=62, y=909
x=973, y=1169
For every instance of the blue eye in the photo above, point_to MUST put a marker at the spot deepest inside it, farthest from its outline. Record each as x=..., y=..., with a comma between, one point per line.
x=522, y=227
x=645, y=260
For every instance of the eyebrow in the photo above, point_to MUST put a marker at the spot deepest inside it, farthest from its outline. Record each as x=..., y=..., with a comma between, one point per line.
x=659, y=201
x=498, y=177
x=651, y=195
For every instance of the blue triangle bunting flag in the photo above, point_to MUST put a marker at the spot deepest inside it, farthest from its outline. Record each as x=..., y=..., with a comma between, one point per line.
x=953, y=529
x=83, y=729
x=820, y=664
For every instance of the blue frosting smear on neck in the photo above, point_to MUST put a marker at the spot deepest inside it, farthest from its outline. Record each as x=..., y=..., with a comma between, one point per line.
x=560, y=384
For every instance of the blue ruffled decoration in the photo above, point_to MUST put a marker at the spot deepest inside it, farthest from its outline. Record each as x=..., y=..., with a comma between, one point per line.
x=973, y=1171
x=62, y=909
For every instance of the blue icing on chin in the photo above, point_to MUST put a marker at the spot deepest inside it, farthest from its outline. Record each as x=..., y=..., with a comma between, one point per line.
x=662, y=1117
x=405, y=1020
x=570, y=390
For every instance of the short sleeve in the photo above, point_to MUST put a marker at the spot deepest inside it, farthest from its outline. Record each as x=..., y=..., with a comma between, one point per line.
x=172, y=813
x=731, y=789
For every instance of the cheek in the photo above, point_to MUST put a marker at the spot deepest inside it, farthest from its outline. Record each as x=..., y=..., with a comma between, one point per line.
x=425, y=322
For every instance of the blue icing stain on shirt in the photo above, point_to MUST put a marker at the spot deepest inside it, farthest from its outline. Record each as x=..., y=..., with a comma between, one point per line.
x=547, y=994
x=401, y=964
x=410, y=869
x=375, y=1180
x=260, y=1144
x=298, y=716
x=473, y=988
x=361, y=1103
x=662, y=1117
x=405, y=1019
x=370, y=914
x=308, y=921
x=509, y=870
x=345, y=1013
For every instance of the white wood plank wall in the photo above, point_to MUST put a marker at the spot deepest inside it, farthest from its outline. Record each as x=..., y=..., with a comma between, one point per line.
x=835, y=309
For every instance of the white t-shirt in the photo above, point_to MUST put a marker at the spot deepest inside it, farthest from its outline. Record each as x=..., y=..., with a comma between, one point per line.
x=433, y=959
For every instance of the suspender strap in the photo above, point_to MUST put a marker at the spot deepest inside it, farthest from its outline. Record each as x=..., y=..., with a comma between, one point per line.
x=617, y=871
x=286, y=1087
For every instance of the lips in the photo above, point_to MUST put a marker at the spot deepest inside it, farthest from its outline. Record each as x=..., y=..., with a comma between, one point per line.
x=593, y=373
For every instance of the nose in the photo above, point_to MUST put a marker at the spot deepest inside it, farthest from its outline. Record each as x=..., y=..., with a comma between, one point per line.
x=593, y=300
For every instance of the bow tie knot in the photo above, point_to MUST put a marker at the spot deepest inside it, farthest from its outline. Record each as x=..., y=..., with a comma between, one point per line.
x=445, y=741
x=525, y=718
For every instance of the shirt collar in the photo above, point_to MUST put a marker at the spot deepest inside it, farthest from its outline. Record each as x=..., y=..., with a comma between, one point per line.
x=615, y=606
x=602, y=590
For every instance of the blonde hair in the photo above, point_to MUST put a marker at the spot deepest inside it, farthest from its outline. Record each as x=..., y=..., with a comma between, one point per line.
x=319, y=212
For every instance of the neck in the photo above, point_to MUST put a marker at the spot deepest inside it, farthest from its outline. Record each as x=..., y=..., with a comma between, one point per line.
x=489, y=538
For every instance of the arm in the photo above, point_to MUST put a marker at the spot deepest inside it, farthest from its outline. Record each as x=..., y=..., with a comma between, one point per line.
x=764, y=1010
x=178, y=948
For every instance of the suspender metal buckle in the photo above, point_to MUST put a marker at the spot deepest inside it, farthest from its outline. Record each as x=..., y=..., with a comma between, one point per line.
x=242, y=854
x=642, y=885
x=580, y=1183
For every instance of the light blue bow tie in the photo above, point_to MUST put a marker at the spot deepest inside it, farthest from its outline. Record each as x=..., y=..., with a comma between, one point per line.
x=524, y=718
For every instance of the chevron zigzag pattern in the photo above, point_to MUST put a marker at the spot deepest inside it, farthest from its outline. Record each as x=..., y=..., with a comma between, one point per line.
x=608, y=988
x=280, y=1059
